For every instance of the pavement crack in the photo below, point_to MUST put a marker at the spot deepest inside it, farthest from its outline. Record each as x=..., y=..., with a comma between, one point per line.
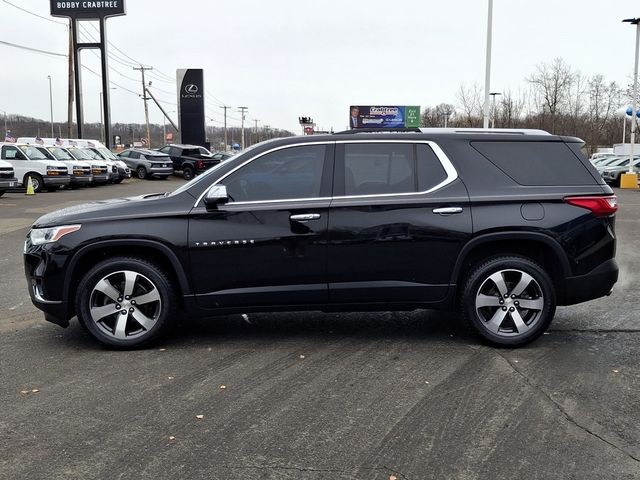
x=563, y=412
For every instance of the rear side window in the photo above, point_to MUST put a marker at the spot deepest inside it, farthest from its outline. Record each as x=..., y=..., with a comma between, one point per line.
x=388, y=168
x=536, y=163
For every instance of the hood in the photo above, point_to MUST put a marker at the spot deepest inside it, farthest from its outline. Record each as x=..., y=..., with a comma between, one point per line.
x=128, y=207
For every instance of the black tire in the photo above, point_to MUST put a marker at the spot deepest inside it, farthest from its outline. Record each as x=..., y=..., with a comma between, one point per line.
x=36, y=180
x=148, y=278
x=1, y=193
x=141, y=172
x=485, y=320
x=188, y=173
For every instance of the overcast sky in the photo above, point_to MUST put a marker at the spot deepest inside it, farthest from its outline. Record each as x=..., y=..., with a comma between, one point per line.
x=283, y=59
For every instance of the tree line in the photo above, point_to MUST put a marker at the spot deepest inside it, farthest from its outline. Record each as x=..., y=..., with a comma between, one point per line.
x=557, y=98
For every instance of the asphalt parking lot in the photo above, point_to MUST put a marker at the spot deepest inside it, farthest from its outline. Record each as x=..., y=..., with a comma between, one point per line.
x=312, y=395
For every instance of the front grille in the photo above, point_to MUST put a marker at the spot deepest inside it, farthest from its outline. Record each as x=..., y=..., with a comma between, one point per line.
x=6, y=172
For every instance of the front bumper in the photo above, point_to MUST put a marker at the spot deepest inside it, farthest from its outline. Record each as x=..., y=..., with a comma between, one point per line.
x=81, y=179
x=8, y=183
x=124, y=173
x=595, y=284
x=56, y=180
x=101, y=178
x=35, y=266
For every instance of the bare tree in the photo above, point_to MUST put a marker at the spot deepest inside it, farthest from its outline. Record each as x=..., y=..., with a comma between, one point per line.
x=552, y=85
x=470, y=105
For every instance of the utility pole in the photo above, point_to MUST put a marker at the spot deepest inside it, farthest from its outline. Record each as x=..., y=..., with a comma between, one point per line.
x=70, y=87
x=242, y=110
x=226, y=143
x=255, y=130
x=493, y=108
x=142, y=69
x=51, y=103
x=487, y=75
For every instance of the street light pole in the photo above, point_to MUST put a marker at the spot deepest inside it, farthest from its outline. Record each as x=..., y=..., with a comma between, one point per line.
x=493, y=109
x=636, y=22
x=51, y=104
x=242, y=110
x=487, y=74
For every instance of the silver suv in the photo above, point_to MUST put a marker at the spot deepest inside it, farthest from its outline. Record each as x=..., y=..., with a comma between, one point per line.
x=147, y=163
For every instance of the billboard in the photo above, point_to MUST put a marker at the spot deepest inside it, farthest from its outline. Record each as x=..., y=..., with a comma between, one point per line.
x=87, y=9
x=361, y=116
x=191, y=120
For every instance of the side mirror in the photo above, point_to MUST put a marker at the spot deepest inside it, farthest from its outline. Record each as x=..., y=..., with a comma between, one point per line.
x=217, y=195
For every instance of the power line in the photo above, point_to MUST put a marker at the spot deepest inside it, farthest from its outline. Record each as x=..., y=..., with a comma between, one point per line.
x=37, y=50
x=35, y=14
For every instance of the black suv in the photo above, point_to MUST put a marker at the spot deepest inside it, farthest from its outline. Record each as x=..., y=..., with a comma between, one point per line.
x=502, y=225
x=190, y=159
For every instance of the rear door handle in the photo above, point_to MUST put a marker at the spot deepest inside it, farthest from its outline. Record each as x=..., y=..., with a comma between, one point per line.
x=304, y=217
x=447, y=210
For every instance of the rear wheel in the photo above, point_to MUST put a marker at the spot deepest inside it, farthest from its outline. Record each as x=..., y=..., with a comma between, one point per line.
x=508, y=301
x=188, y=173
x=141, y=172
x=126, y=302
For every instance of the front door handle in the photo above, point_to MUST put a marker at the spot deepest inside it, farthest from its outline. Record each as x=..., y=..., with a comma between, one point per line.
x=447, y=210
x=304, y=217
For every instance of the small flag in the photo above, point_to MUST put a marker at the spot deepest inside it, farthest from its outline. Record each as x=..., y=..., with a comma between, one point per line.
x=58, y=141
x=9, y=138
x=72, y=143
x=91, y=144
x=39, y=141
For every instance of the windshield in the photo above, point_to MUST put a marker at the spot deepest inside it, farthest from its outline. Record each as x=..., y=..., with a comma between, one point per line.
x=106, y=153
x=79, y=154
x=32, y=153
x=59, y=153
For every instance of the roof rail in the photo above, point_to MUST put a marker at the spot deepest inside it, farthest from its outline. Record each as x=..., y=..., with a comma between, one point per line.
x=380, y=130
x=500, y=131
x=494, y=131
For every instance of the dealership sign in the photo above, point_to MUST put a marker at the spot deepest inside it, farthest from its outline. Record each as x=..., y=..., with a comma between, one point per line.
x=191, y=119
x=384, y=116
x=87, y=9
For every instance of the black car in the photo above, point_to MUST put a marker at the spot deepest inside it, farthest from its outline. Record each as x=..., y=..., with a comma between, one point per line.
x=191, y=160
x=503, y=225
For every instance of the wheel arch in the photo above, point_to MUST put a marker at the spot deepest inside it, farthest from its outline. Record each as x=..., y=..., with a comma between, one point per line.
x=148, y=249
x=538, y=247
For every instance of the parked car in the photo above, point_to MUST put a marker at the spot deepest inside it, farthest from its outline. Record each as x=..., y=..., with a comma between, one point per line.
x=191, y=160
x=502, y=226
x=147, y=163
x=80, y=172
x=104, y=153
x=28, y=162
x=7, y=177
x=612, y=173
x=102, y=172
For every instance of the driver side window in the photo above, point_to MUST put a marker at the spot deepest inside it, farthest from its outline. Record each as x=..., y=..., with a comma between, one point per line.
x=290, y=173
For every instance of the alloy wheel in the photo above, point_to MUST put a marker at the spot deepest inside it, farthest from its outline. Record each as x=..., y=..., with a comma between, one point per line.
x=509, y=303
x=125, y=305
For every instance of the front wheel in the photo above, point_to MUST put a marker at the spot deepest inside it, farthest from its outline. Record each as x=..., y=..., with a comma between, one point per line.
x=508, y=301
x=36, y=181
x=141, y=173
x=126, y=302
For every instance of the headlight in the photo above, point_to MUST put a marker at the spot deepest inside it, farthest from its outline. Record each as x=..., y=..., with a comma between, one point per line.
x=38, y=236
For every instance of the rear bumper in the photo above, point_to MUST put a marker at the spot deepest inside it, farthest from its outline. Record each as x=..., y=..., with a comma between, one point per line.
x=595, y=284
x=160, y=171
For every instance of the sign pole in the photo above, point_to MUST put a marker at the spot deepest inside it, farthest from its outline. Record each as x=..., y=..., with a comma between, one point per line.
x=106, y=90
x=77, y=76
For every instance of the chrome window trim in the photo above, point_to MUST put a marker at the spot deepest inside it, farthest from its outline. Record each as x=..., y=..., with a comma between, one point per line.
x=449, y=169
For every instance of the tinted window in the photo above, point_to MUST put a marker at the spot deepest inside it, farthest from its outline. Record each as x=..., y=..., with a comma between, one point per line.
x=125, y=154
x=134, y=155
x=379, y=168
x=294, y=172
x=536, y=163
x=430, y=170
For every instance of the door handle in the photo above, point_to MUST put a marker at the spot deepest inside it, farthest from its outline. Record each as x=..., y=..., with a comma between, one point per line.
x=304, y=217
x=447, y=210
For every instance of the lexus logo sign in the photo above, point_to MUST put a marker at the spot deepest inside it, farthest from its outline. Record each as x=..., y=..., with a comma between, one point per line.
x=191, y=89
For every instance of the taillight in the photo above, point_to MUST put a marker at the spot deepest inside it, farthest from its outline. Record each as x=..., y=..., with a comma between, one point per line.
x=600, y=206
x=199, y=164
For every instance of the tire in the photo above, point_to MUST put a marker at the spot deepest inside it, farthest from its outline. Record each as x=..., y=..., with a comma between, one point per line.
x=188, y=173
x=503, y=321
x=131, y=324
x=141, y=172
x=36, y=180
